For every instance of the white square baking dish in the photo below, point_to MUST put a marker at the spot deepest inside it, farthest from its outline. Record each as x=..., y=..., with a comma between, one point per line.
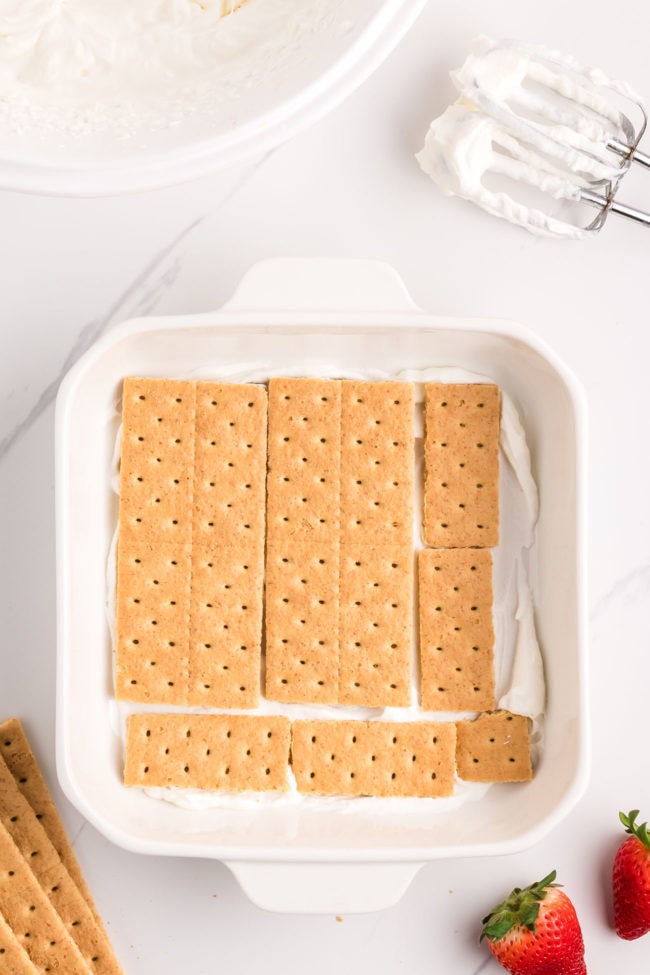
x=297, y=314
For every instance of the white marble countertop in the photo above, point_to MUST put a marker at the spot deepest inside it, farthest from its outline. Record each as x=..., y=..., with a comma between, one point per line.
x=349, y=187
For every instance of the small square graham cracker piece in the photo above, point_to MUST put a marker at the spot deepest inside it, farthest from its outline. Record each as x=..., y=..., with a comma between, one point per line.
x=28, y=912
x=226, y=626
x=21, y=762
x=456, y=630
x=374, y=758
x=303, y=488
x=494, y=748
x=152, y=621
x=377, y=463
x=229, y=465
x=376, y=625
x=302, y=622
x=236, y=753
x=461, y=465
x=157, y=459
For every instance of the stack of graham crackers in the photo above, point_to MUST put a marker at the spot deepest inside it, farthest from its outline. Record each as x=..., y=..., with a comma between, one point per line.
x=48, y=921
x=289, y=514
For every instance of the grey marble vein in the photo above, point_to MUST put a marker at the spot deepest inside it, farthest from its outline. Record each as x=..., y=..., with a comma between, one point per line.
x=624, y=592
x=140, y=297
x=150, y=289
x=483, y=965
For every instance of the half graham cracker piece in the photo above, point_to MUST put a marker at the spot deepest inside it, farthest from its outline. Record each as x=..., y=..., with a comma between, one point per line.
x=31, y=840
x=456, y=630
x=303, y=524
x=376, y=558
x=30, y=915
x=494, y=748
x=237, y=753
x=461, y=465
x=374, y=758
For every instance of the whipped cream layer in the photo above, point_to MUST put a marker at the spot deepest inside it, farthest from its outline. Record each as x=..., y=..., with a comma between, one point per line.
x=519, y=672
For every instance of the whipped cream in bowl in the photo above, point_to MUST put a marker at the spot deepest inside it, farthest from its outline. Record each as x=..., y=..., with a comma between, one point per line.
x=108, y=96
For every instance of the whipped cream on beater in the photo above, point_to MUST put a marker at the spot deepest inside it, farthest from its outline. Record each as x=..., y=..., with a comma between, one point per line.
x=532, y=116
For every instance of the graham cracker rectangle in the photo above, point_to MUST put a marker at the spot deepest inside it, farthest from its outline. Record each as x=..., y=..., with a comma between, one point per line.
x=374, y=758
x=456, y=631
x=376, y=625
x=152, y=621
x=20, y=760
x=461, y=465
x=15, y=960
x=157, y=460
x=226, y=626
x=31, y=840
x=377, y=463
x=303, y=487
x=237, y=753
x=28, y=912
x=494, y=748
x=302, y=621
x=229, y=465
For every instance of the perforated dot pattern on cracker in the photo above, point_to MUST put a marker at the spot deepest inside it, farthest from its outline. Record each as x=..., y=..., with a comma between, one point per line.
x=377, y=463
x=494, y=748
x=456, y=630
x=236, y=753
x=376, y=625
x=461, y=463
x=303, y=491
x=373, y=758
x=28, y=912
x=14, y=960
x=193, y=472
x=303, y=524
x=302, y=622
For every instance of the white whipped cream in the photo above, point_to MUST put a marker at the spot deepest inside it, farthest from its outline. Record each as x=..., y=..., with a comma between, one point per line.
x=93, y=65
x=519, y=673
x=534, y=117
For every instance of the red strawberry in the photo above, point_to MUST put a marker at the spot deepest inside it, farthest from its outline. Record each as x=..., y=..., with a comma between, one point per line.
x=536, y=932
x=631, y=880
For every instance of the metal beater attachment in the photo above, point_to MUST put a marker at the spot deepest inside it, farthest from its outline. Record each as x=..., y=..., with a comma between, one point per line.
x=534, y=135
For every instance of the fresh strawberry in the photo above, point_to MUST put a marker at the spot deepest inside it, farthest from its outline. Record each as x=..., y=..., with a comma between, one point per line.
x=631, y=880
x=536, y=932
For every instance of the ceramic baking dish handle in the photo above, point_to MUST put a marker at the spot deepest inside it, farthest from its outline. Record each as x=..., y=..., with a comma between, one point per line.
x=304, y=284
x=324, y=888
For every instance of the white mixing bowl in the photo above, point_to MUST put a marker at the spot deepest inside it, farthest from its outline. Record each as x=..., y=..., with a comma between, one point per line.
x=271, y=96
